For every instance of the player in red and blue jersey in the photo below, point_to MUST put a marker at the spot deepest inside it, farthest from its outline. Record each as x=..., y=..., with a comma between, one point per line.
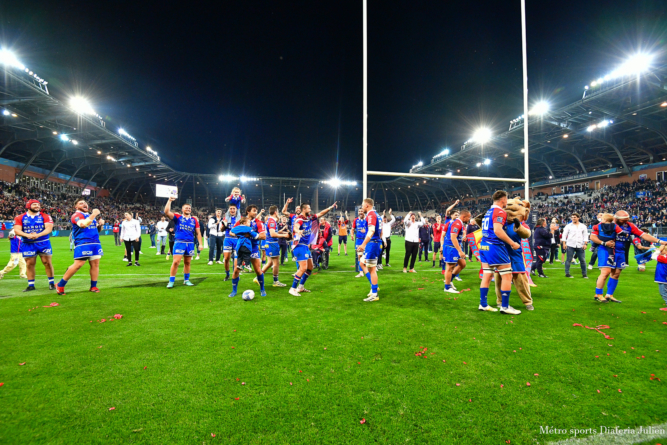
x=229, y=245
x=292, y=218
x=185, y=230
x=35, y=227
x=87, y=247
x=305, y=231
x=273, y=248
x=452, y=252
x=359, y=229
x=371, y=246
x=493, y=253
x=613, y=237
x=257, y=227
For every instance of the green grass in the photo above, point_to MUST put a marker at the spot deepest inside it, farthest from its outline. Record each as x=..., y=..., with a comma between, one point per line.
x=315, y=365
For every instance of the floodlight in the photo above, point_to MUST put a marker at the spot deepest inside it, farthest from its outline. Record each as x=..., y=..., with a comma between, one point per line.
x=5, y=112
x=448, y=174
x=227, y=178
x=634, y=65
x=482, y=135
x=664, y=104
x=123, y=132
x=479, y=164
x=335, y=183
x=82, y=106
x=591, y=128
x=64, y=137
x=75, y=142
x=487, y=161
x=551, y=177
x=445, y=152
x=8, y=58
x=420, y=163
x=540, y=108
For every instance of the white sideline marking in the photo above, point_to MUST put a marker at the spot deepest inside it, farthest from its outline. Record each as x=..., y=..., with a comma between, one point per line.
x=657, y=432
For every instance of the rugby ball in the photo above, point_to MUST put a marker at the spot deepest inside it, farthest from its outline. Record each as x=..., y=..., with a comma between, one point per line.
x=248, y=295
x=641, y=268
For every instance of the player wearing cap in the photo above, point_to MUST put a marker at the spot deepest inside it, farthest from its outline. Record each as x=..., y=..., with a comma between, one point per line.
x=87, y=247
x=35, y=227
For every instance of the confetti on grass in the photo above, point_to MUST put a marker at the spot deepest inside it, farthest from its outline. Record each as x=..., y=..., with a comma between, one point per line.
x=362, y=421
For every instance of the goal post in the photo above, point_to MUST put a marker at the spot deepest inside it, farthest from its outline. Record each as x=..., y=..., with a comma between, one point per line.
x=366, y=172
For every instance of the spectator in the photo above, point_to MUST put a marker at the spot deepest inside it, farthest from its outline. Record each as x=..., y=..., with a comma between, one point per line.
x=575, y=240
x=412, y=227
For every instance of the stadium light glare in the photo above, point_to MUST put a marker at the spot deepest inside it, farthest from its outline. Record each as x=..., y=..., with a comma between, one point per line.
x=75, y=142
x=479, y=164
x=9, y=58
x=540, y=108
x=551, y=177
x=448, y=174
x=483, y=135
x=664, y=104
x=226, y=178
x=506, y=155
x=247, y=178
x=82, y=106
x=5, y=112
x=125, y=133
x=565, y=136
x=487, y=161
x=64, y=137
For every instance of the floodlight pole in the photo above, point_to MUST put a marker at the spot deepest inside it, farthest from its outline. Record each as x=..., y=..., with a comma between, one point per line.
x=525, y=98
x=365, y=138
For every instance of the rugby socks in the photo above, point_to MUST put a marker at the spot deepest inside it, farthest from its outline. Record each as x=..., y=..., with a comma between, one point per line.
x=599, y=291
x=172, y=279
x=186, y=277
x=368, y=276
x=433, y=263
x=235, y=283
x=455, y=276
x=483, y=292
x=63, y=283
x=227, y=273
x=448, y=286
x=275, y=278
x=304, y=278
x=263, y=262
x=611, y=286
x=374, y=288
x=295, y=283
x=31, y=283
x=356, y=264
x=505, y=297
x=92, y=283
x=260, y=278
x=51, y=281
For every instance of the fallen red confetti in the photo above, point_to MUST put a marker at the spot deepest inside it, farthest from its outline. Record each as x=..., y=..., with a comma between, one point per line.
x=527, y=383
x=444, y=361
x=290, y=383
x=1, y=383
x=507, y=441
x=502, y=386
x=464, y=363
x=54, y=304
x=458, y=384
x=112, y=408
x=300, y=370
x=359, y=363
x=598, y=391
x=362, y=421
x=620, y=390
x=536, y=375
x=144, y=367
x=596, y=328
x=212, y=435
x=469, y=400
x=232, y=347
x=117, y=316
x=21, y=364
x=243, y=383
x=236, y=398
x=102, y=320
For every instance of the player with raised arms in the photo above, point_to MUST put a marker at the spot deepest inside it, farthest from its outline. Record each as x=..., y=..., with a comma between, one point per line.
x=87, y=246
x=292, y=217
x=235, y=199
x=229, y=245
x=186, y=227
x=371, y=246
x=613, y=235
x=305, y=230
x=35, y=228
x=273, y=248
x=258, y=228
x=452, y=252
x=493, y=253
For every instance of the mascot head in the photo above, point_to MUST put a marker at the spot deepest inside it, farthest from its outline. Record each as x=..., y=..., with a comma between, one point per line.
x=517, y=212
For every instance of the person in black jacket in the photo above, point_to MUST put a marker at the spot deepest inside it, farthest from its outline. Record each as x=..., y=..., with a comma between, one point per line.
x=542, y=240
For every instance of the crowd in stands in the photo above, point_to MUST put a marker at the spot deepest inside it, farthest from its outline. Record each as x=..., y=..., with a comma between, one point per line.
x=648, y=212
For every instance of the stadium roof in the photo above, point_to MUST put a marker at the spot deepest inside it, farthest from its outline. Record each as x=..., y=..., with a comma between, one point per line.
x=620, y=123
x=42, y=131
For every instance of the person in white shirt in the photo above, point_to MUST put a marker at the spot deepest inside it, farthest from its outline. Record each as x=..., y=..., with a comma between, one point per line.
x=386, y=237
x=575, y=240
x=162, y=235
x=130, y=233
x=412, y=240
x=216, y=237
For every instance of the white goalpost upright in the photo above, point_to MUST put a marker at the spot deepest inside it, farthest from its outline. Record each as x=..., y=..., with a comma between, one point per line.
x=366, y=172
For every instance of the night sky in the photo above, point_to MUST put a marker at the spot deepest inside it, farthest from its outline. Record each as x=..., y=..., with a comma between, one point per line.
x=274, y=88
